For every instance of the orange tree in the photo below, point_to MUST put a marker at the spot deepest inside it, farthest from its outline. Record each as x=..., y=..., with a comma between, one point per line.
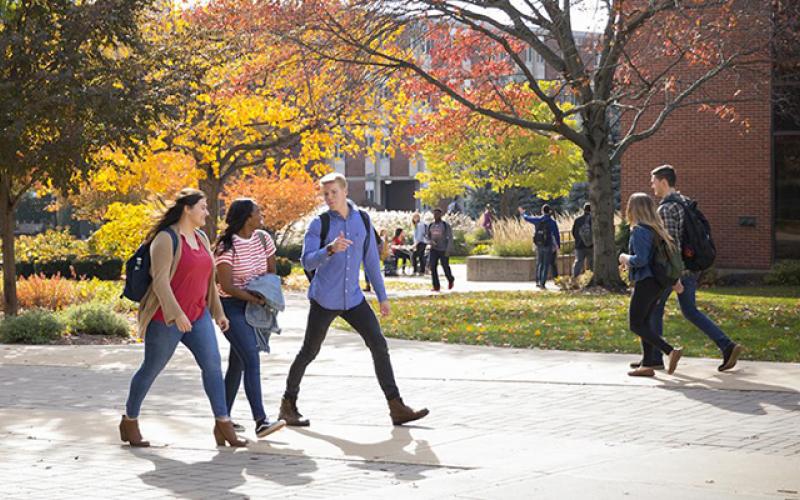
x=282, y=200
x=619, y=84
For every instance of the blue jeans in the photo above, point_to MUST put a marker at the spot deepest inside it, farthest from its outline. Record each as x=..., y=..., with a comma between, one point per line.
x=687, y=301
x=243, y=359
x=544, y=260
x=160, y=342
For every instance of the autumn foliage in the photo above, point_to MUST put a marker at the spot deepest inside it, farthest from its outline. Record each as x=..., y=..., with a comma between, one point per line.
x=282, y=200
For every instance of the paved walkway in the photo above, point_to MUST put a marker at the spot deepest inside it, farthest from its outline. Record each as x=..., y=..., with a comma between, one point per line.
x=504, y=423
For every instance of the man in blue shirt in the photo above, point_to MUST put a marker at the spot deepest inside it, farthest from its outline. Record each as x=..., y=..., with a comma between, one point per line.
x=547, y=240
x=335, y=291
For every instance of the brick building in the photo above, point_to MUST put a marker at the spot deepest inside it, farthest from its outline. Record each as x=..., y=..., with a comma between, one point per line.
x=746, y=180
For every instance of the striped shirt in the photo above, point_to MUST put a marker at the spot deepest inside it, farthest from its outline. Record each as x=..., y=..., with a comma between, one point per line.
x=247, y=257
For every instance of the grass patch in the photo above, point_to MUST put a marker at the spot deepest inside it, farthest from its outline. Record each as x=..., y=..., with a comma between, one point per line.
x=766, y=320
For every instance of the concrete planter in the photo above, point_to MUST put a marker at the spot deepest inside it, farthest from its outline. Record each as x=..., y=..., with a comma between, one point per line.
x=492, y=268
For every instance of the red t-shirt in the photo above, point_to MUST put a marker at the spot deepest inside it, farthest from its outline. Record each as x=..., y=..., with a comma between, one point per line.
x=190, y=281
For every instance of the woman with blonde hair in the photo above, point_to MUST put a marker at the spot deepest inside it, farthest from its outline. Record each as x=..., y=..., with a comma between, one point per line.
x=647, y=231
x=178, y=307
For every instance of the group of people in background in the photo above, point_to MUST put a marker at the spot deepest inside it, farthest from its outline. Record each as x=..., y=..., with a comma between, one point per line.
x=232, y=284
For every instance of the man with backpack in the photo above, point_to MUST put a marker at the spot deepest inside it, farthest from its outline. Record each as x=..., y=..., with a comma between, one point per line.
x=440, y=236
x=584, y=247
x=691, y=232
x=547, y=241
x=335, y=246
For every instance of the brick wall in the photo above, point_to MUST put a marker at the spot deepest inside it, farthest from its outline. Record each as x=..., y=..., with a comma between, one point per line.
x=722, y=166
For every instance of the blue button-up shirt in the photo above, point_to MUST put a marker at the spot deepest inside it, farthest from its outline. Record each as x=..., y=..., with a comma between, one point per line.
x=335, y=285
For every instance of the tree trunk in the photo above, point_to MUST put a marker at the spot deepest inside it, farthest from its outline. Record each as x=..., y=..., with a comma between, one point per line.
x=10, y=304
x=601, y=197
x=212, y=187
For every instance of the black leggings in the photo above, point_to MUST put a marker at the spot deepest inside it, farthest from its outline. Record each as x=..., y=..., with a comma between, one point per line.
x=646, y=294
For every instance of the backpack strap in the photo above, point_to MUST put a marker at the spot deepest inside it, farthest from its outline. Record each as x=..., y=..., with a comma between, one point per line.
x=325, y=221
x=367, y=226
x=174, y=237
x=263, y=239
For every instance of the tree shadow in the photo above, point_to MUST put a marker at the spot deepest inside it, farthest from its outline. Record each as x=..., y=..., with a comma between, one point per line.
x=378, y=456
x=225, y=471
x=750, y=397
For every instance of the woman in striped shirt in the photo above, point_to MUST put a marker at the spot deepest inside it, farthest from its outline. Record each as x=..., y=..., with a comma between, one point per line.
x=244, y=252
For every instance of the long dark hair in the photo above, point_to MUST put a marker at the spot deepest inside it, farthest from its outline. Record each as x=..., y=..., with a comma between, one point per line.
x=188, y=197
x=240, y=210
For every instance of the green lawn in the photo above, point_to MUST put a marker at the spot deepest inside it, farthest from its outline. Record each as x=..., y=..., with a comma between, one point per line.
x=766, y=320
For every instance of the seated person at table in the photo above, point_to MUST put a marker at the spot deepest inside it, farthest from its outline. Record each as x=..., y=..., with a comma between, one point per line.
x=399, y=249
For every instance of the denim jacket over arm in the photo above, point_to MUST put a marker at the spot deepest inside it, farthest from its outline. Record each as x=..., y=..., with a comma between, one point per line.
x=640, y=248
x=335, y=285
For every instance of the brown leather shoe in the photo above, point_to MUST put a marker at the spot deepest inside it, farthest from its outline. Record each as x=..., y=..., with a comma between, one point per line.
x=401, y=413
x=129, y=432
x=674, y=356
x=642, y=371
x=223, y=431
x=290, y=414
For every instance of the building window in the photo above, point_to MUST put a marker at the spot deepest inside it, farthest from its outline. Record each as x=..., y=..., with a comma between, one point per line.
x=369, y=191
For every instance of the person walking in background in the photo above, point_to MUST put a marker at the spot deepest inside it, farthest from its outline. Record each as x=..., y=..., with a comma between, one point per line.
x=487, y=221
x=418, y=258
x=244, y=251
x=455, y=206
x=335, y=259
x=440, y=235
x=178, y=307
x=673, y=212
x=546, y=239
x=584, y=246
x=647, y=231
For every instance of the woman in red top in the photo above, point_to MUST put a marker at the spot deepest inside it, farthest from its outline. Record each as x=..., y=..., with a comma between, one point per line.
x=244, y=251
x=178, y=307
x=399, y=249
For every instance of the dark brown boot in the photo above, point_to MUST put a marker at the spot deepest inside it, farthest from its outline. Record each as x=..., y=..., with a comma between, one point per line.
x=223, y=431
x=401, y=413
x=291, y=415
x=129, y=432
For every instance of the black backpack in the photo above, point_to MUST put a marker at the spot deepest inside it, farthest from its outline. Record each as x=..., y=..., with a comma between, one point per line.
x=697, y=245
x=666, y=265
x=325, y=220
x=137, y=269
x=542, y=235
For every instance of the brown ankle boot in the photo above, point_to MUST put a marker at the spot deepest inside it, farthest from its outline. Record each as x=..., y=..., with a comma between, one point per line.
x=223, y=431
x=291, y=415
x=129, y=432
x=401, y=413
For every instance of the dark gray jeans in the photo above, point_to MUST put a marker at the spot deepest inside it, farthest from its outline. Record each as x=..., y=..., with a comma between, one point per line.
x=363, y=320
x=581, y=255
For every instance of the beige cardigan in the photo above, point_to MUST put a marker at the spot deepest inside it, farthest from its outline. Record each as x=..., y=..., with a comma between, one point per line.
x=162, y=269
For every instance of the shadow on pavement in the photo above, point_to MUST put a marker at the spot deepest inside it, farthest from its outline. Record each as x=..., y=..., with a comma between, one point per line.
x=223, y=473
x=749, y=397
x=391, y=450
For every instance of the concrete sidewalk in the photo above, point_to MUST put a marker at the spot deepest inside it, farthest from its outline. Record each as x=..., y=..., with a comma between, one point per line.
x=504, y=423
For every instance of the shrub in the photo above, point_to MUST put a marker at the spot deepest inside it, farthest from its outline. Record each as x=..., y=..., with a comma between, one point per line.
x=50, y=245
x=512, y=238
x=50, y=268
x=481, y=249
x=291, y=251
x=96, y=319
x=25, y=269
x=622, y=237
x=567, y=247
x=106, y=292
x=460, y=246
x=32, y=327
x=785, y=272
x=478, y=236
x=53, y=293
x=283, y=267
x=98, y=267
